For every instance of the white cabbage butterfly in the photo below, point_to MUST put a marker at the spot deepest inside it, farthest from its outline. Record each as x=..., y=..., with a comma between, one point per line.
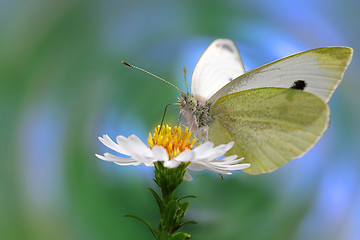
x=274, y=113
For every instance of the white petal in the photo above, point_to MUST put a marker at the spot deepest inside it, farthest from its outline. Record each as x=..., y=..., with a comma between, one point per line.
x=238, y=166
x=103, y=158
x=106, y=140
x=121, y=160
x=226, y=168
x=187, y=176
x=207, y=151
x=160, y=153
x=202, y=151
x=195, y=167
x=118, y=160
x=139, y=151
x=229, y=145
x=171, y=163
x=123, y=142
x=135, y=163
x=217, y=151
x=222, y=166
x=228, y=160
x=138, y=146
x=215, y=169
x=222, y=149
x=185, y=156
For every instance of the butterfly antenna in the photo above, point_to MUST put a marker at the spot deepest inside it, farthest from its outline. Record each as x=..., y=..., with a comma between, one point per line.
x=187, y=89
x=162, y=120
x=132, y=66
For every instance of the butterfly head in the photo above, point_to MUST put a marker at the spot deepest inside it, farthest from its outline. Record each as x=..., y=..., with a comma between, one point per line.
x=187, y=100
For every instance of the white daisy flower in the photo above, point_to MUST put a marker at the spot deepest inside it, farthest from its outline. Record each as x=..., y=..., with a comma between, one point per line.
x=172, y=148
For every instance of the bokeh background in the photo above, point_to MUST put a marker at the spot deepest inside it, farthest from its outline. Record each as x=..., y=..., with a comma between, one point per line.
x=63, y=85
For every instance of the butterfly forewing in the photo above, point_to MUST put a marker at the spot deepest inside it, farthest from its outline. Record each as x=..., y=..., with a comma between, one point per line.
x=217, y=66
x=270, y=126
x=318, y=71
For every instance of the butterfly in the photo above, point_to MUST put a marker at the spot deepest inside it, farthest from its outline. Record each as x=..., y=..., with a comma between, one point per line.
x=274, y=113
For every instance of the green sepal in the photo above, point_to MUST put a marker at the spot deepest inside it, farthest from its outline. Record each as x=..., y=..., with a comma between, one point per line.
x=158, y=200
x=168, y=179
x=180, y=236
x=153, y=231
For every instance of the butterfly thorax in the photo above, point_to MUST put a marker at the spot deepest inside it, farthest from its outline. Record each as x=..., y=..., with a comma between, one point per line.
x=196, y=114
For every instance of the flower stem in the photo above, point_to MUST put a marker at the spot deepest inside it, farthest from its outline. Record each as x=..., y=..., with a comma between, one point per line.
x=172, y=210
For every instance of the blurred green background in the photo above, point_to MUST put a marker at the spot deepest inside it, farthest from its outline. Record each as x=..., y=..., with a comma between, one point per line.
x=63, y=85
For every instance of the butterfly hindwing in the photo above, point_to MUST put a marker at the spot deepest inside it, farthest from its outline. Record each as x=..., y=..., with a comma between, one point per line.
x=270, y=126
x=318, y=71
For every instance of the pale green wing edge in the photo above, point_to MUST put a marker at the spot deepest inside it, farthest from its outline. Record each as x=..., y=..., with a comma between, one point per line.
x=322, y=69
x=270, y=126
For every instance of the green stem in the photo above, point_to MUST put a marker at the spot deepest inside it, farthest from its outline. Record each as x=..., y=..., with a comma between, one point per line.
x=172, y=210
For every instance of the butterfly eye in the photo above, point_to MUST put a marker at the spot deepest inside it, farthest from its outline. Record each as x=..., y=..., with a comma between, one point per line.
x=192, y=102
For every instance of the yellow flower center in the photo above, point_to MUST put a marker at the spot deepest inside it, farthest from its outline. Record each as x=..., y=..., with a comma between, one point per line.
x=174, y=141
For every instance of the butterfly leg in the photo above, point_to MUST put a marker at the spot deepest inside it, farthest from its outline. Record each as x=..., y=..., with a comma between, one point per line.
x=183, y=124
x=178, y=123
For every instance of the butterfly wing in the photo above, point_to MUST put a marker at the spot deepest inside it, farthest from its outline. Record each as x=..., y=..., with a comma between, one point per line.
x=217, y=66
x=270, y=126
x=318, y=71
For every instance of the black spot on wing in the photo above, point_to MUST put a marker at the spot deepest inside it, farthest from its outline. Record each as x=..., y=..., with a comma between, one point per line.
x=226, y=47
x=299, y=84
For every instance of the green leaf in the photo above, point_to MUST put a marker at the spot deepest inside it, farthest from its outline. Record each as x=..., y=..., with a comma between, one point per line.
x=184, y=206
x=188, y=223
x=153, y=231
x=188, y=196
x=170, y=213
x=158, y=200
x=180, y=236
